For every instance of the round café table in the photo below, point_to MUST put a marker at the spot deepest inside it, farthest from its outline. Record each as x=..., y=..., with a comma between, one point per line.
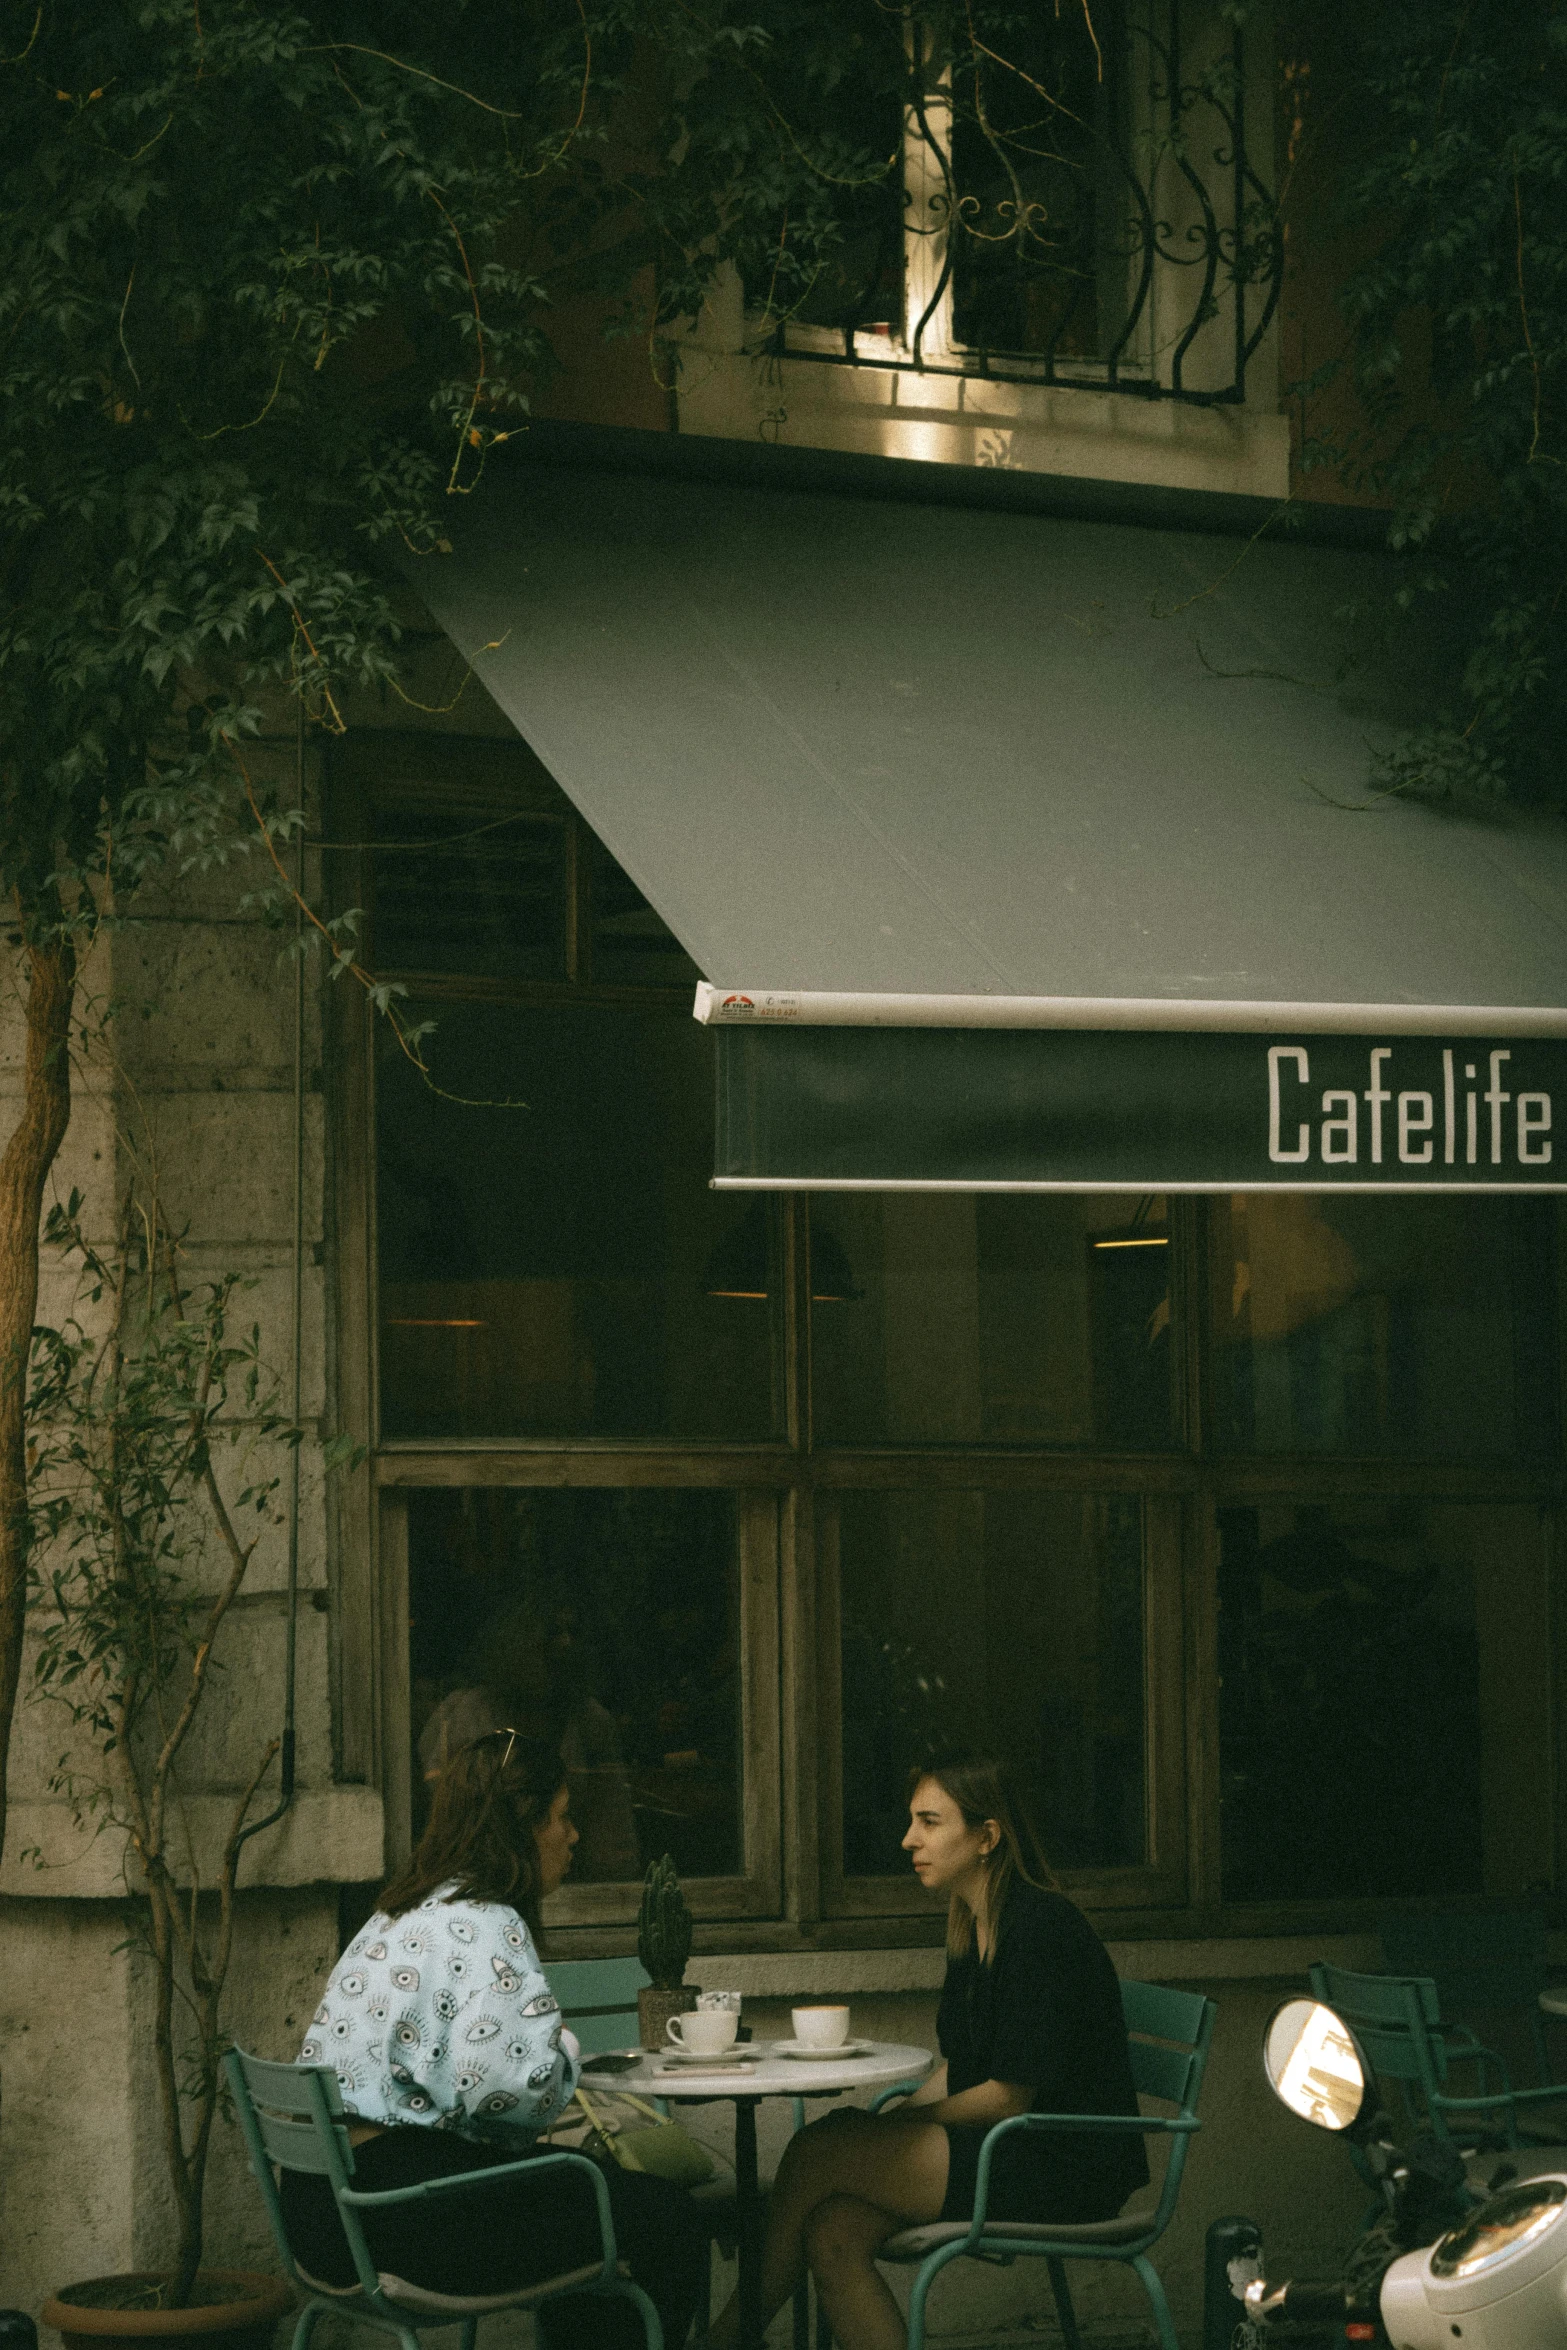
x=746, y=2084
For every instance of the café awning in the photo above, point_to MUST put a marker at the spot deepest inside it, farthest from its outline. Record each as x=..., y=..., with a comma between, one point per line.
x=1023, y=845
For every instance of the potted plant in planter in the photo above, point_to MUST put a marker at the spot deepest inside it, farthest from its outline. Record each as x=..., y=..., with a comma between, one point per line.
x=663, y=1946
x=133, y=1405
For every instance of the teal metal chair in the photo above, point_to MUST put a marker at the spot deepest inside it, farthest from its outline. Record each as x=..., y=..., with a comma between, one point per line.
x=292, y=2116
x=1169, y=2036
x=1398, y=2021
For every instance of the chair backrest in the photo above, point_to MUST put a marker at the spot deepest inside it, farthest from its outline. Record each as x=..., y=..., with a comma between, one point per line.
x=1392, y=2018
x=1169, y=2034
x=1184, y=2018
x=292, y=2115
x=598, y=1999
x=298, y=2112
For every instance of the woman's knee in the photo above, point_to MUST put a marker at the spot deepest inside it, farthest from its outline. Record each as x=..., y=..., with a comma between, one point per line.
x=843, y=2230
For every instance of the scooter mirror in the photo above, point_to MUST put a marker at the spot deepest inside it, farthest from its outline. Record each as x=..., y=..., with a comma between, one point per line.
x=1314, y=2064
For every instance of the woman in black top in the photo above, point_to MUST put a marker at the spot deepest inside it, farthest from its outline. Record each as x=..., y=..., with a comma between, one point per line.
x=1030, y=2021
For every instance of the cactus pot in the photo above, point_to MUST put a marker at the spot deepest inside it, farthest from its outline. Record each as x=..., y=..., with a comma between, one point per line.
x=656, y=2003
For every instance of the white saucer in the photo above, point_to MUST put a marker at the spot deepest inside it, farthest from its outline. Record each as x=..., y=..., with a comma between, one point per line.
x=808, y=2055
x=739, y=2052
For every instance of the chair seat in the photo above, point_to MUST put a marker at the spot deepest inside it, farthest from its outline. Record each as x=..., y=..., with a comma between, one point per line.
x=418, y=2300
x=915, y=2243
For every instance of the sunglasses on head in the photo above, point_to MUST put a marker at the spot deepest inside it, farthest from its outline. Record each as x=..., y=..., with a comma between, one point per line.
x=510, y=1737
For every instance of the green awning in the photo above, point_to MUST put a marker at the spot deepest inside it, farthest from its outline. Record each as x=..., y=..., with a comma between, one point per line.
x=879, y=731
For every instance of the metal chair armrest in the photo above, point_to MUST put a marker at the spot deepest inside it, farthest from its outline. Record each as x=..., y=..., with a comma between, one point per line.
x=1450, y=2104
x=533, y=2166
x=1178, y=2125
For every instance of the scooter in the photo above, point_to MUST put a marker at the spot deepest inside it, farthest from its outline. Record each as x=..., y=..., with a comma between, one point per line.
x=1496, y=2276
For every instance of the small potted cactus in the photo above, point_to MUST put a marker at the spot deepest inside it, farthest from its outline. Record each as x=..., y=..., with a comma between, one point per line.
x=663, y=1946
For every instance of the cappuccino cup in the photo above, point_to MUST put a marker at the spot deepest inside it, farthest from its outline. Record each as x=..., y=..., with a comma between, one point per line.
x=707, y=2032
x=820, y=2027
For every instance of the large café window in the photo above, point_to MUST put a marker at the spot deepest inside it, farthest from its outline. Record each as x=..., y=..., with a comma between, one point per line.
x=744, y=1501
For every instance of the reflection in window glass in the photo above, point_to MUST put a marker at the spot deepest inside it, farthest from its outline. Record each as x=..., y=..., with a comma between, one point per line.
x=556, y=1269
x=1412, y=1326
x=1010, y=1618
x=1385, y=1708
x=605, y=1621
x=951, y=1317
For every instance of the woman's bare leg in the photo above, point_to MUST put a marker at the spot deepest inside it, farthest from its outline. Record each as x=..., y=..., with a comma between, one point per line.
x=842, y=2237
x=898, y=2167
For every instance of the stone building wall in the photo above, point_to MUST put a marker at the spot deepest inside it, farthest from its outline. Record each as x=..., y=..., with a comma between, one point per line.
x=196, y=1080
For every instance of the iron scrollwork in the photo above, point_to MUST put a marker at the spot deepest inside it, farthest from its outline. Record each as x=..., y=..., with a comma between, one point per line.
x=1076, y=209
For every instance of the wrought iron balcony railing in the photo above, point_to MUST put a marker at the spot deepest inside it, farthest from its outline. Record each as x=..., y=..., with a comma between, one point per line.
x=1070, y=201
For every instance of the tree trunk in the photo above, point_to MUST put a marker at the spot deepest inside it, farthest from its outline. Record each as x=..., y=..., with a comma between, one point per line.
x=24, y=1169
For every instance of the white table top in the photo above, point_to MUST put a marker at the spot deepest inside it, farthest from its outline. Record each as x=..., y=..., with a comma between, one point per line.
x=770, y=2075
x=1554, y=2000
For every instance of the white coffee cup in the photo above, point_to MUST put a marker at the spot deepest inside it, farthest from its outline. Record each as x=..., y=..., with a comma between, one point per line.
x=708, y=2032
x=820, y=2027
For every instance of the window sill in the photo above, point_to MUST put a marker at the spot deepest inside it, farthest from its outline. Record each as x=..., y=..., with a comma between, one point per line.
x=974, y=420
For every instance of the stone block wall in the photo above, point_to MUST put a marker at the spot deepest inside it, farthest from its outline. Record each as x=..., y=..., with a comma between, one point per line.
x=195, y=1079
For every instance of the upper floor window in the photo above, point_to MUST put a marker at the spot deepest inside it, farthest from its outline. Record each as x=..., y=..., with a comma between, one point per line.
x=1069, y=196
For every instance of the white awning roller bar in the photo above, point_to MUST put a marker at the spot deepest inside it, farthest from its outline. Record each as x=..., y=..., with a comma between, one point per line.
x=743, y=1007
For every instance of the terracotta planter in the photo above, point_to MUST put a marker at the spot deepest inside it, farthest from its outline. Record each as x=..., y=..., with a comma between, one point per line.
x=655, y=2006
x=234, y=2309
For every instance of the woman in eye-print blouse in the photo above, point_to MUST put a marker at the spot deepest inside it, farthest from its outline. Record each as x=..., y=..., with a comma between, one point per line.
x=451, y=2056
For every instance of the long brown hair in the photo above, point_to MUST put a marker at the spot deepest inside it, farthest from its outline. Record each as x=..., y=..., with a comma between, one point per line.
x=486, y=1805
x=984, y=1787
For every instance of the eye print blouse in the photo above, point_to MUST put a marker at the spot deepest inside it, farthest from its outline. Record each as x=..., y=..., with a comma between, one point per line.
x=443, y=2018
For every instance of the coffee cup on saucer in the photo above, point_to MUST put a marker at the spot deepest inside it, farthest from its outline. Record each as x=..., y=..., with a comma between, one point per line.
x=708, y=2031
x=820, y=2027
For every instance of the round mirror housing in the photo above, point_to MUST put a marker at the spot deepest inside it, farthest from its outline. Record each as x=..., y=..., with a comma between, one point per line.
x=1314, y=2064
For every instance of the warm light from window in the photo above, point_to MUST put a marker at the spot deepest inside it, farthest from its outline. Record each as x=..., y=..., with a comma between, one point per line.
x=422, y=1322
x=1163, y=1242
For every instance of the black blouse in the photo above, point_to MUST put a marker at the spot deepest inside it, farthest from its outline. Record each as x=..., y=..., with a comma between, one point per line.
x=1044, y=2012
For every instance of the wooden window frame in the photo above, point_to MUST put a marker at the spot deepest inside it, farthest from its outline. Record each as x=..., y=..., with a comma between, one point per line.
x=754, y=1891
